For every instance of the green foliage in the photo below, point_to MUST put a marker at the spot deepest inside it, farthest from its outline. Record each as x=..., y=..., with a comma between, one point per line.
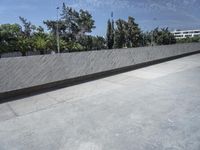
x=145, y=39
x=72, y=28
x=98, y=43
x=70, y=18
x=52, y=25
x=41, y=42
x=163, y=36
x=127, y=33
x=52, y=45
x=24, y=44
x=27, y=26
x=72, y=24
x=189, y=40
x=77, y=47
x=119, y=38
x=85, y=22
x=133, y=33
x=9, y=35
x=89, y=42
x=86, y=42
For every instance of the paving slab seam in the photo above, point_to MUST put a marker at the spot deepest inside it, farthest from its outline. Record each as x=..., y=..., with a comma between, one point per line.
x=44, y=109
x=23, y=115
x=12, y=110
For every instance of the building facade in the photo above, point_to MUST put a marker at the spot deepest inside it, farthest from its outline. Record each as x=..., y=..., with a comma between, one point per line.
x=180, y=34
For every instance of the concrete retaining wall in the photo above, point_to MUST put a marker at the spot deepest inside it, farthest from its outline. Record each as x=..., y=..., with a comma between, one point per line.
x=32, y=71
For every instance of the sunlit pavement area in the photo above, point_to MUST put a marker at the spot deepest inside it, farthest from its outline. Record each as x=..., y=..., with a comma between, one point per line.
x=152, y=108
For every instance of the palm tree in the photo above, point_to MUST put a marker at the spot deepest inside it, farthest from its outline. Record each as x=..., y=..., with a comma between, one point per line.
x=41, y=42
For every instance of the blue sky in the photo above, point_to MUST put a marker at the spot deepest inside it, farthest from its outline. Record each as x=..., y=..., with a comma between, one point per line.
x=175, y=14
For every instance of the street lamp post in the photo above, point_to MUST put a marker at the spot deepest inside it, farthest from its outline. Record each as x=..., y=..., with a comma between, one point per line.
x=57, y=33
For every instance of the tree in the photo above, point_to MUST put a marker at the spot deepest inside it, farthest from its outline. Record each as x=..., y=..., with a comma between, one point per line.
x=133, y=33
x=86, y=41
x=76, y=23
x=145, y=39
x=24, y=44
x=70, y=19
x=98, y=43
x=27, y=27
x=51, y=44
x=25, y=41
x=127, y=33
x=41, y=42
x=9, y=34
x=120, y=39
x=73, y=26
x=110, y=34
x=85, y=22
x=52, y=26
x=162, y=36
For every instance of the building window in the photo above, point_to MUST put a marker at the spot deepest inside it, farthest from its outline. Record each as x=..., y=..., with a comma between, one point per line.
x=177, y=33
x=188, y=35
x=196, y=31
x=179, y=36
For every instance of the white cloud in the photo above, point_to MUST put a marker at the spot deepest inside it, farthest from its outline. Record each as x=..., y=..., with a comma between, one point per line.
x=179, y=7
x=148, y=4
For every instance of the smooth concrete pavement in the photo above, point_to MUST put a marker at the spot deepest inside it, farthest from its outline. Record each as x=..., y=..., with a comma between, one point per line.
x=152, y=108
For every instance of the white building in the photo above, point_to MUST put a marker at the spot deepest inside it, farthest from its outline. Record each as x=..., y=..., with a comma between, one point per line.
x=180, y=34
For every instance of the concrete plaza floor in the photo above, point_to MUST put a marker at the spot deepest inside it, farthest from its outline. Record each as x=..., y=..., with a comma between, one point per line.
x=152, y=108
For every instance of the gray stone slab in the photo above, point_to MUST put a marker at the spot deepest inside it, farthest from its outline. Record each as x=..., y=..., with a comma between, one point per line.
x=25, y=72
